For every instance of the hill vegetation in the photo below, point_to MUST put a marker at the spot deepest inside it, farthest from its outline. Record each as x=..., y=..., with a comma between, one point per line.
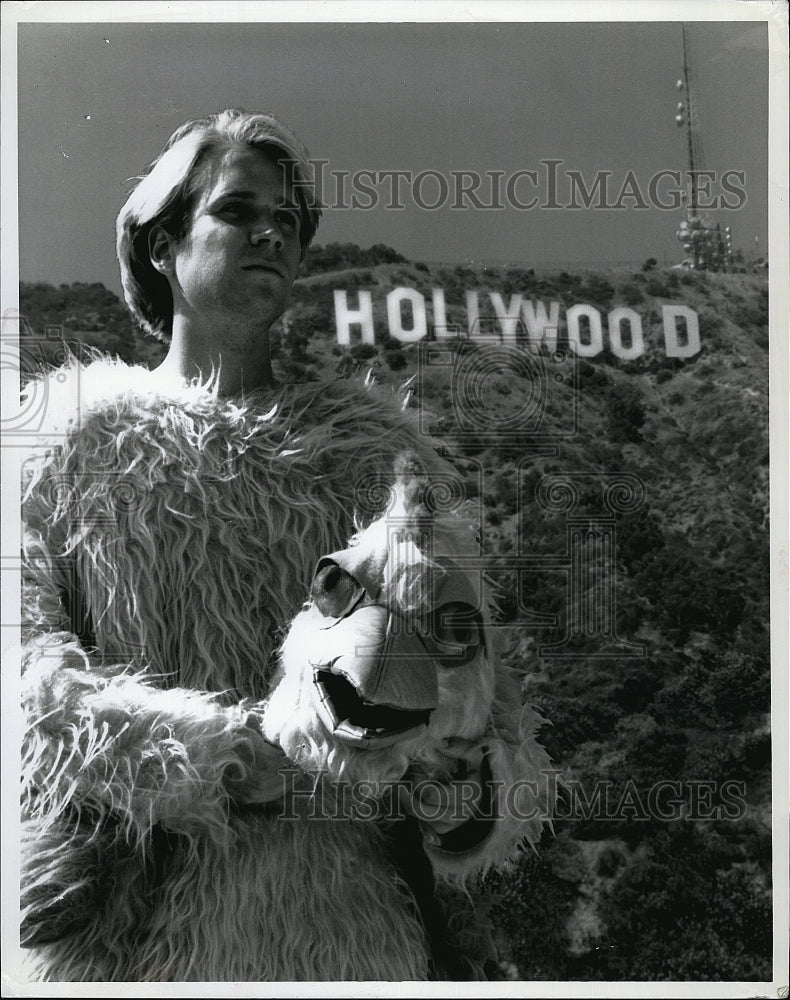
x=660, y=863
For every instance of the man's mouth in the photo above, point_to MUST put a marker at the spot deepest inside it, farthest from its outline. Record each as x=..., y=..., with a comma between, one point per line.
x=264, y=268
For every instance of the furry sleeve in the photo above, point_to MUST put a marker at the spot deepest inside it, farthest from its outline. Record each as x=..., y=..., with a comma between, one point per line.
x=103, y=740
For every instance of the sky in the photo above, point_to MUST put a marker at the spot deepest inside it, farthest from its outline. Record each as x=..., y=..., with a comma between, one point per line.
x=97, y=101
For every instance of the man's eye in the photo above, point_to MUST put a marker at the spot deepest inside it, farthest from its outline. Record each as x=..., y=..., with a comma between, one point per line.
x=233, y=210
x=289, y=220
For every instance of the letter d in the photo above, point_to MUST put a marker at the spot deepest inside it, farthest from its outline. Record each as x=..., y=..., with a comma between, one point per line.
x=674, y=348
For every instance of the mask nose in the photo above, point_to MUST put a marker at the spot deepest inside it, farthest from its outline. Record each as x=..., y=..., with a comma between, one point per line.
x=377, y=684
x=400, y=674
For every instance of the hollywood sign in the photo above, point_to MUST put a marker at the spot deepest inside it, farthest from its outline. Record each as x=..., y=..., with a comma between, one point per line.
x=520, y=320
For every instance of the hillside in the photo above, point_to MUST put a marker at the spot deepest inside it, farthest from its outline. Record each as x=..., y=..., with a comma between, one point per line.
x=660, y=867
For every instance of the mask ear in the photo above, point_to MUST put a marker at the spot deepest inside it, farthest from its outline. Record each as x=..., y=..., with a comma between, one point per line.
x=161, y=249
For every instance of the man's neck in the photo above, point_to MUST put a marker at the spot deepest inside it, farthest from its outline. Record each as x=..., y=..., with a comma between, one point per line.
x=238, y=364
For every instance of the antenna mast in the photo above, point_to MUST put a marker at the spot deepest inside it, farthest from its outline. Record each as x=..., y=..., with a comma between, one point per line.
x=708, y=248
x=690, y=115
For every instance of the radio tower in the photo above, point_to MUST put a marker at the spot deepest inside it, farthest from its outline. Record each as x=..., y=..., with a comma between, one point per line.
x=708, y=248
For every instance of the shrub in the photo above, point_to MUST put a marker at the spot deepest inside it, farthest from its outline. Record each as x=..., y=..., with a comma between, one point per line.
x=362, y=352
x=632, y=294
x=597, y=291
x=610, y=861
x=655, y=286
x=626, y=412
x=684, y=911
x=534, y=902
x=396, y=359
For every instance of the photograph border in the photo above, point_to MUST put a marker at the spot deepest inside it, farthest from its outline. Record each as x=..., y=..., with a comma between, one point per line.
x=775, y=15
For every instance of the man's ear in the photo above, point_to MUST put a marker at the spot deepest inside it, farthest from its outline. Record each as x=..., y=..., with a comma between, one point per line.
x=161, y=247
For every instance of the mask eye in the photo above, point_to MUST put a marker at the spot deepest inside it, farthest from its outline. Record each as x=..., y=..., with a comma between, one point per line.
x=456, y=632
x=334, y=592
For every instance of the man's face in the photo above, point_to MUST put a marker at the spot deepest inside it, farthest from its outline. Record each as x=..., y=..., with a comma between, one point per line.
x=240, y=254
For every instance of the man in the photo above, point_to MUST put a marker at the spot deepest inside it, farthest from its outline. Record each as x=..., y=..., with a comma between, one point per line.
x=172, y=525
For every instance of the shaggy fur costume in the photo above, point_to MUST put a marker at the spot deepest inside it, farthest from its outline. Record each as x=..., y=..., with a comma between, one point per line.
x=169, y=536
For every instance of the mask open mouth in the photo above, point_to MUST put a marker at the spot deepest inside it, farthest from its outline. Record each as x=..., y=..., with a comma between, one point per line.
x=354, y=720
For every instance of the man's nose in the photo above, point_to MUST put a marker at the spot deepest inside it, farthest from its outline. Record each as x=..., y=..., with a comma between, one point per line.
x=267, y=234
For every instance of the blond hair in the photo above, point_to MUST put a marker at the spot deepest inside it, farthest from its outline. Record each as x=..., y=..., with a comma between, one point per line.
x=166, y=194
